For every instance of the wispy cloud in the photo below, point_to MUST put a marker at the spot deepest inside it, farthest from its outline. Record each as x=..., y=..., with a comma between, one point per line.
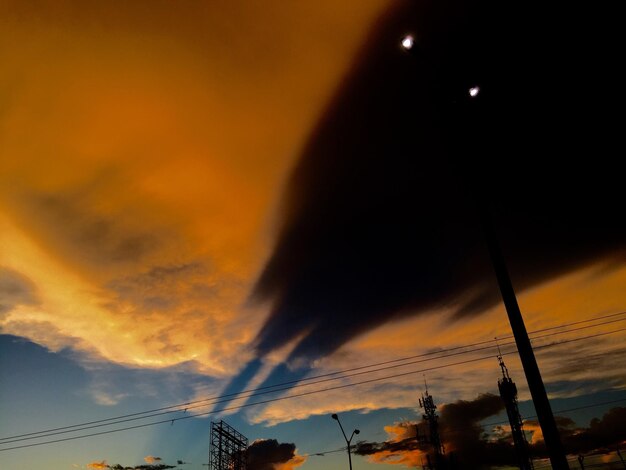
x=153, y=463
x=15, y=290
x=102, y=465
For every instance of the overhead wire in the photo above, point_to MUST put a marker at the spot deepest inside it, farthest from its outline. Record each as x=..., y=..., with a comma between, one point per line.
x=245, y=405
x=221, y=399
x=566, y=410
x=312, y=380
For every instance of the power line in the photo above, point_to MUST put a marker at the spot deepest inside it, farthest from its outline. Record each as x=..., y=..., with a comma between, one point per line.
x=611, y=315
x=568, y=410
x=245, y=405
x=216, y=400
x=299, y=383
x=222, y=399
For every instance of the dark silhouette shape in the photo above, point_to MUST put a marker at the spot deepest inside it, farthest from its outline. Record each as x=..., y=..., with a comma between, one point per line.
x=348, y=441
x=508, y=393
x=434, y=440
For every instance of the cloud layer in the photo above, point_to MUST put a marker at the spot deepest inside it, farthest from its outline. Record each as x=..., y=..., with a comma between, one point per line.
x=15, y=289
x=466, y=441
x=140, y=214
x=381, y=220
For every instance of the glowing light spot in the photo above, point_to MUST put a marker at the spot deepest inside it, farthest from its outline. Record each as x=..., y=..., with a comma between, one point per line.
x=473, y=92
x=407, y=42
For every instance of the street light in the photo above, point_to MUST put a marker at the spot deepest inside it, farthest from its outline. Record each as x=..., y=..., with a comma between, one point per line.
x=356, y=431
x=407, y=42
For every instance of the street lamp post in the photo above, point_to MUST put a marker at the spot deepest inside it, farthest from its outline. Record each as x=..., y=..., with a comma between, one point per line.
x=348, y=441
x=536, y=386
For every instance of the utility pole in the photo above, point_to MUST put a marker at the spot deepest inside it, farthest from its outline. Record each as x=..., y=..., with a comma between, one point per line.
x=621, y=458
x=536, y=386
x=537, y=389
x=508, y=393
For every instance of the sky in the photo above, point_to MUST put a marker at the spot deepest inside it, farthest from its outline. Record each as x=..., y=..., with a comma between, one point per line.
x=203, y=198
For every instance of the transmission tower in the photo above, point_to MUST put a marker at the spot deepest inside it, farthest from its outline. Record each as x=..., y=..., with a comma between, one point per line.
x=430, y=416
x=508, y=392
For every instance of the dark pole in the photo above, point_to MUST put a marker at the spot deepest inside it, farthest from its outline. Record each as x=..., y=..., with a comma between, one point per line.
x=621, y=458
x=348, y=441
x=538, y=393
x=527, y=356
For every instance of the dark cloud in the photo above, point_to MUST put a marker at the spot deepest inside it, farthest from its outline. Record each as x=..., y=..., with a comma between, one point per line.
x=104, y=466
x=15, y=289
x=159, y=466
x=602, y=435
x=164, y=287
x=406, y=440
x=102, y=238
x=461, y=434
x=380, y=219
x=79, y=223
x=267, y=454
x=464, y=437
x=588, y=358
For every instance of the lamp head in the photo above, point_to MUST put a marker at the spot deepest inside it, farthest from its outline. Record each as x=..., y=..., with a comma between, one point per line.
x=335, y=417
x=407, y=42
x=356, y=431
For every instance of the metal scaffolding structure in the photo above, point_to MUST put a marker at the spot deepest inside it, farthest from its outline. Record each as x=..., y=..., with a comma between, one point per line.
x=227, y=448
x=508, y=392
x=430, y=416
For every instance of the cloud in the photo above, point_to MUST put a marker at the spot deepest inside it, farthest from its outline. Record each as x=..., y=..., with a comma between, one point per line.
x=141, y=467
x=379, y=221
x=140, y=180
x=86, y=233
x=146, y=170
x=98, y=465
x=101, y=397
x=601, y=436
x=460, y=432
x=268, y=454
x=402, y=448
x=15, y=289
x=152, y=465
x=163, y=288
x=465, y=439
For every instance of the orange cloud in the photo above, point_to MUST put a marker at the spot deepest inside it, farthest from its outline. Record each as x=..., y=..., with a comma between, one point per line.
x=401, y=447
x=294, y=462
x=98, y=465
x=408, y=458
x=397, y=433
x=142, y=210
x=150, y=459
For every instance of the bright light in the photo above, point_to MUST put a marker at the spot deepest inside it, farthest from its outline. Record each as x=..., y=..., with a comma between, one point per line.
x=473, y=92
x=407, y=42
